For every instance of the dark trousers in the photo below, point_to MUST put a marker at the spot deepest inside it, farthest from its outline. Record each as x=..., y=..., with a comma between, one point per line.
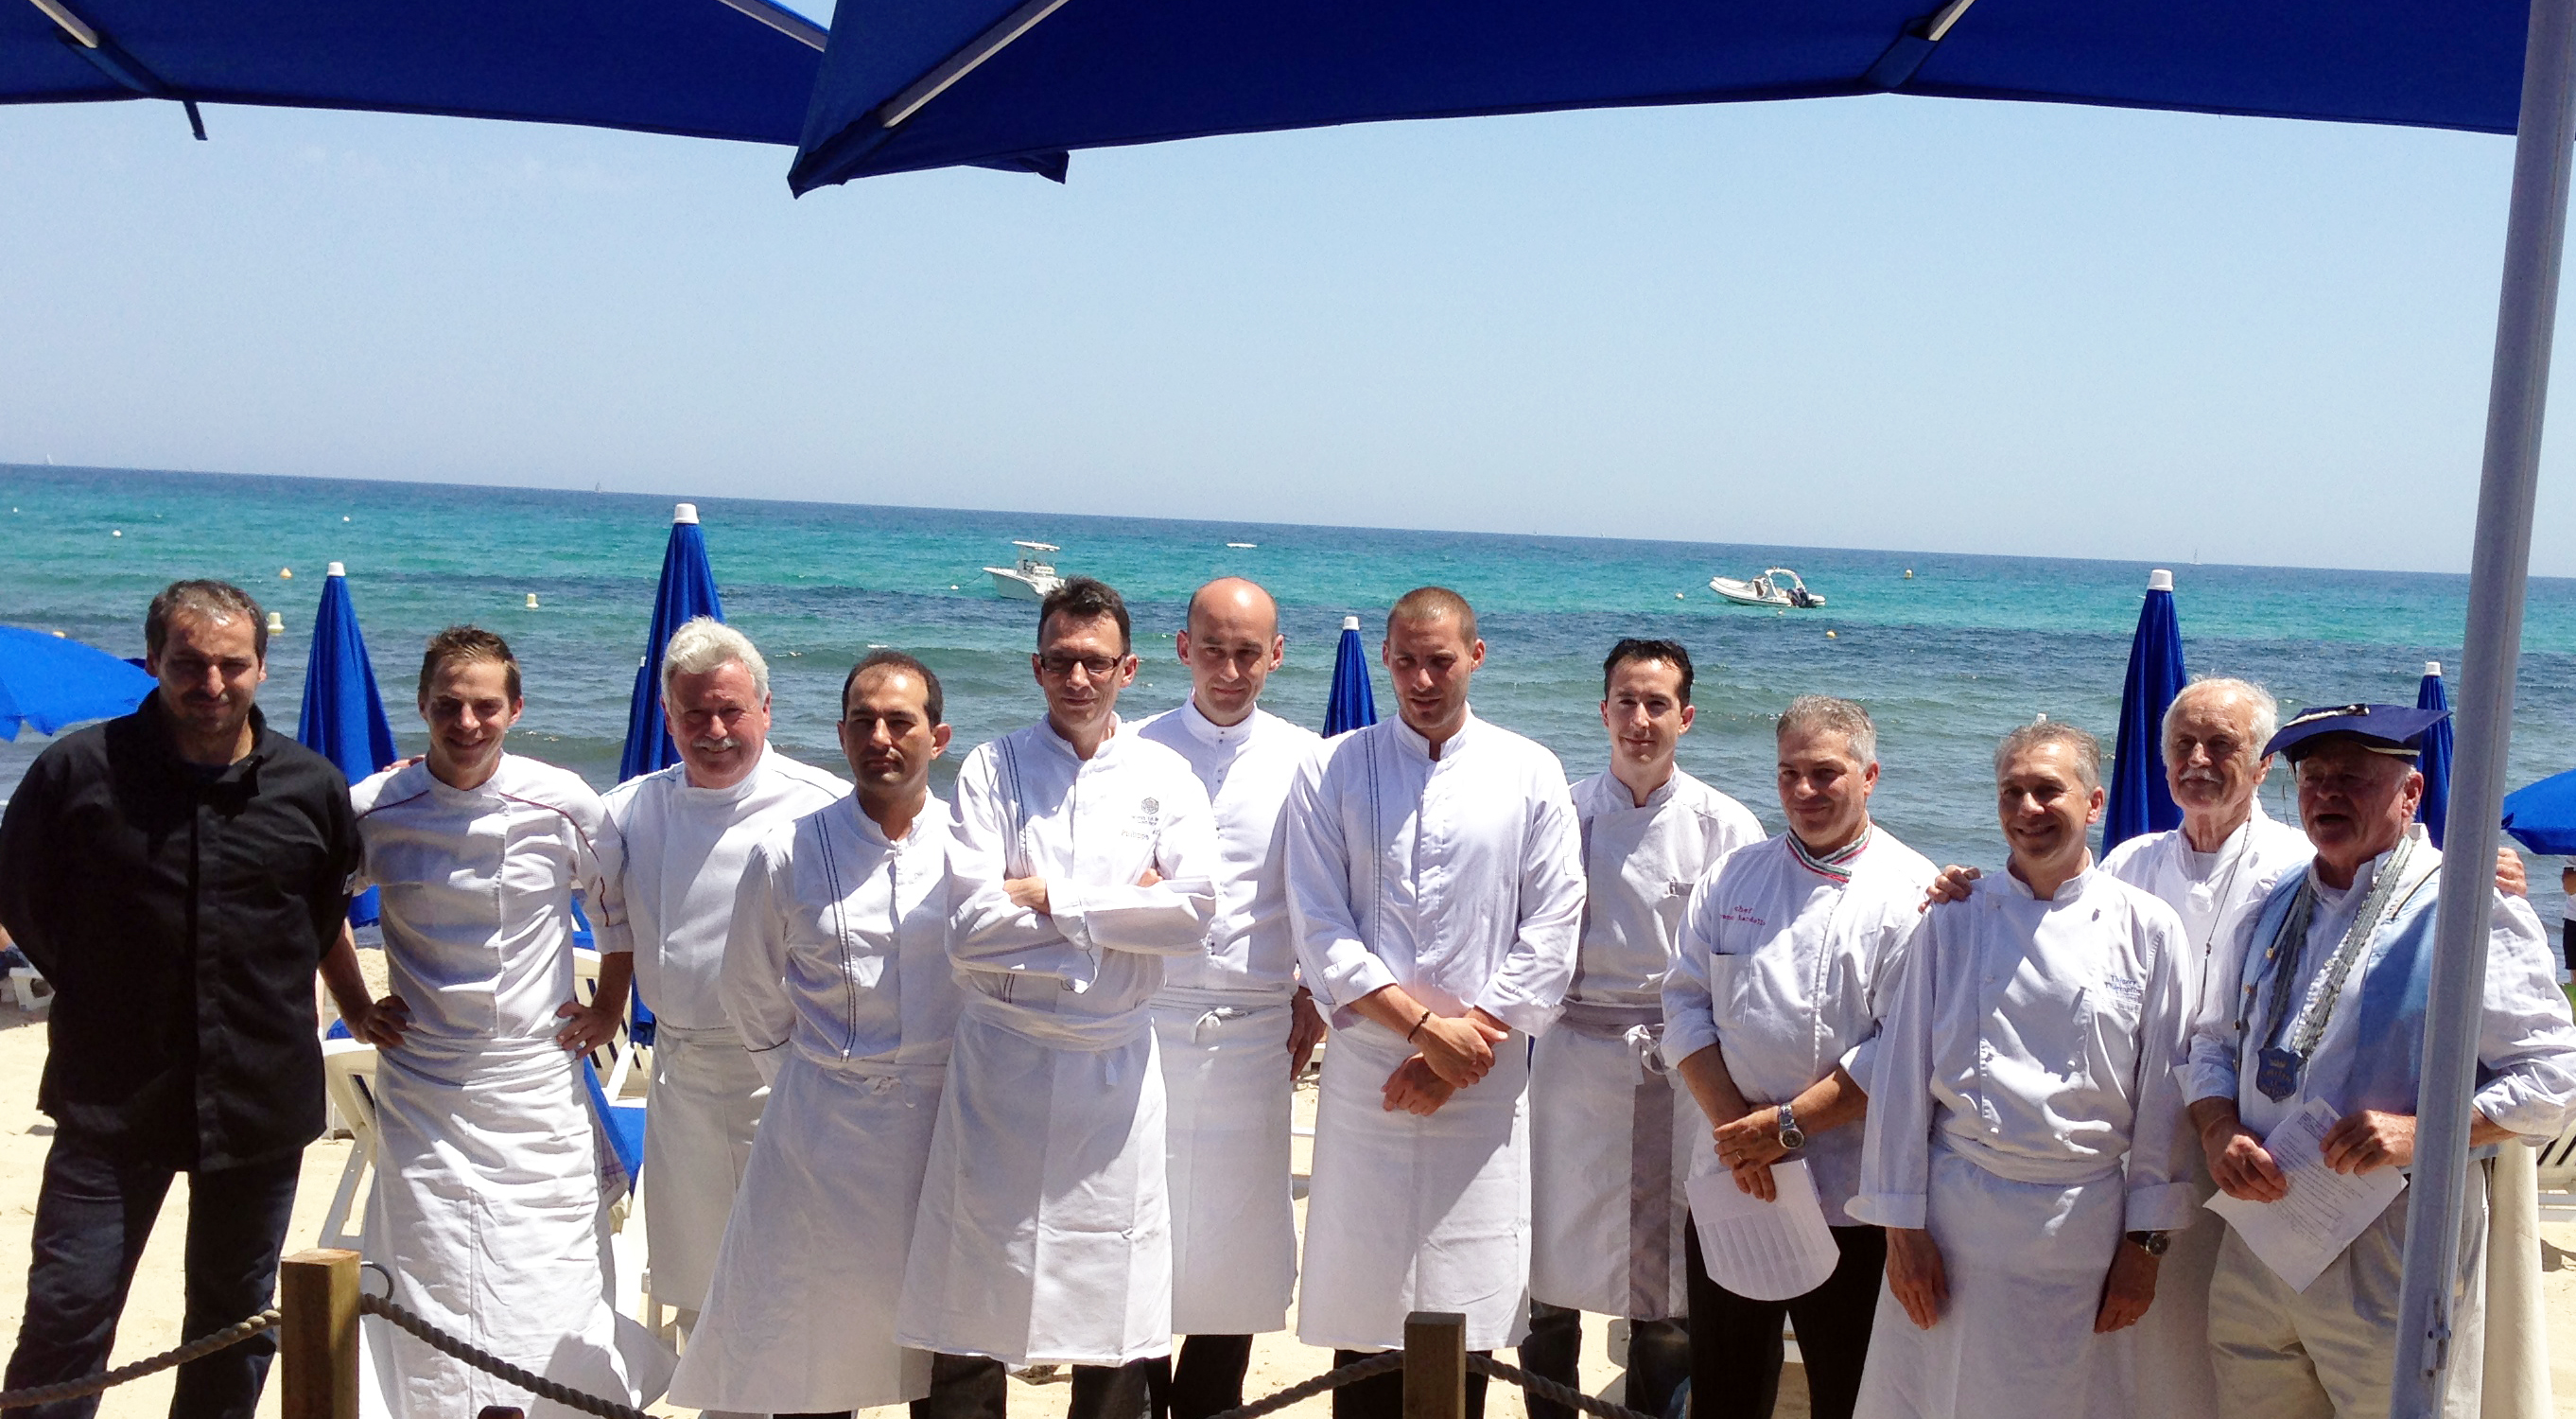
x=92, y=1219
x=1735, y=1343
x=1207, y=1376
x=1382, y=1396
x=1658, y=1359
x=1118, y=1391
x=961, y=1387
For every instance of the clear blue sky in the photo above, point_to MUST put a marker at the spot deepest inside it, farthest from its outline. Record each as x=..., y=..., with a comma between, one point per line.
x=1879, y=322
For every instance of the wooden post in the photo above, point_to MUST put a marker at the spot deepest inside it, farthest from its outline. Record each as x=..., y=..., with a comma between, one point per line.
x=1435, y=1365
x=318, y=1339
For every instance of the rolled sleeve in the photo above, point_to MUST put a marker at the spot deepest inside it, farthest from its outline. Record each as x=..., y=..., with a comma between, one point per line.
x=2526, y=1040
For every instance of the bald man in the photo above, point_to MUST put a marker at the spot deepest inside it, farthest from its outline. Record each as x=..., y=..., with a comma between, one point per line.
x=1232, y=1026
x=1435, y=884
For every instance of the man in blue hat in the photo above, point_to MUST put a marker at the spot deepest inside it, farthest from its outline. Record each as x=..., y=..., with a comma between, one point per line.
x=2317, y=1001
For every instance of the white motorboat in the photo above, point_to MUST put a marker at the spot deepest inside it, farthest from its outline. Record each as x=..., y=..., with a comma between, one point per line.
x=1777, y=586
x=1029, y=578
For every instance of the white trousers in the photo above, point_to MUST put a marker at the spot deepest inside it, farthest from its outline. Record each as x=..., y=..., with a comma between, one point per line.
x=1225, y=1131
x=699, y=1120
x=2329, y=1352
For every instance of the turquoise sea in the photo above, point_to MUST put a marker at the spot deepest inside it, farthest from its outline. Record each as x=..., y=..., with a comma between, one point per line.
x=1946, y=659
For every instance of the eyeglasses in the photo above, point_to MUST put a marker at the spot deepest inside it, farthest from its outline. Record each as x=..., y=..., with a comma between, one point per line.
x=1099, y=667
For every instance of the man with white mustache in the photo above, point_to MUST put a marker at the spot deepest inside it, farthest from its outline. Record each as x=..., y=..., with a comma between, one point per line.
x=689, y=830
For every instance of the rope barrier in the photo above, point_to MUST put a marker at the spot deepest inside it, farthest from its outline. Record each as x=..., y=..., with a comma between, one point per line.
x=1548, y=1389
x=1329, y=1380
x=493, y=1365
x=196, y=1349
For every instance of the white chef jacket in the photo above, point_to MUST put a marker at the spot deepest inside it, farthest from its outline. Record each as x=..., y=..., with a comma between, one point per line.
x=2038, y=1040
x=685, y=849
x=1789, y=972
x=840, y=943
x=1459, y=878
x=1247, y=769
x=2524, y=1040
x=2212, y=891
x=1027, y=806
x=1639, y=865
x=478, y=910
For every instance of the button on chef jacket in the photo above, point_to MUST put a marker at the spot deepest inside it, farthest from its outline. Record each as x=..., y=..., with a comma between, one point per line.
x=1459, y=878
x=1640, y=864
x=1788, y=972
x=685, y=850
x=1247, y=769
x=2038, y=1040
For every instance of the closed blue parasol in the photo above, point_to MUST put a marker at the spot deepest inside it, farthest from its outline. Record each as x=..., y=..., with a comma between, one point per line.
x=2542, y=816
x=2434, y=812
x=344, y=717
x=2140, y=801
x=48, y=682
x=688, y=591
x=1352, y=705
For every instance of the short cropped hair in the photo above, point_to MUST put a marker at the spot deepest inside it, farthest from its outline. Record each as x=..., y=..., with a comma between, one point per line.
x=1669, y=652
x=468, y=643
x=1430, y=603
x=704, y=644
x=1085, y=599
x=2087, y=749
x=933, y=699
x=214, y=600
x=2267, y=710
x=1810, y=713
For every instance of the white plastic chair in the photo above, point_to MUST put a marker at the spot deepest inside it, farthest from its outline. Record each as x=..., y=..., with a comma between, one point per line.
x=349, y=1082
x=33, y=995
x=2558, y=1178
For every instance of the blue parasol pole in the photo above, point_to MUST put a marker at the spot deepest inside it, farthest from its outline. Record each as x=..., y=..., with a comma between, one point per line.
x=1352, y=705
x=343, y=718
x=2141, y=803
x=2434, y=812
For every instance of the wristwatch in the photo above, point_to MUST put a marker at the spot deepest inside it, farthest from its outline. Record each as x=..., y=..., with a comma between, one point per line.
x=2152, y=1243
x=1792, y=1137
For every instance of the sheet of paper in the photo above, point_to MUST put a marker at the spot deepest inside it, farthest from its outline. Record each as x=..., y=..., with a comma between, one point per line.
x=2301, y=1235
x=1763, y=1251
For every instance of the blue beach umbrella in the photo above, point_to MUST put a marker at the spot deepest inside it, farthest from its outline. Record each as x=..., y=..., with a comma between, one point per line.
x=2434, y=812
x=688, y=591
x=1352, y=705
x=2140, y=801
x=2542, y=816
x=49, y=683
x=344, y=717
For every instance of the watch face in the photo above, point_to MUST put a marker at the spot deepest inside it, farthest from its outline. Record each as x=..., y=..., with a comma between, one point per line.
x=1793, y=1139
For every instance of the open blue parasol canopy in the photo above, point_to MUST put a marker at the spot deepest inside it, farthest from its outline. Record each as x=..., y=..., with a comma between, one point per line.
x=703, y=68
x=49, y=683
x=1352, y=705
x=2542, y=816
x=343, y=719
x=687, y=591
x=2434, y=812
x=2140, y=801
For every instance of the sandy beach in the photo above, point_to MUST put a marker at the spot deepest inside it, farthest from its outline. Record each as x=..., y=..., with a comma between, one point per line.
x=153, y=1314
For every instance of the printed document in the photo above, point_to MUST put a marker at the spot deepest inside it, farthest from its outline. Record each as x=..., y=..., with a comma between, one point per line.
x=2301, y=1235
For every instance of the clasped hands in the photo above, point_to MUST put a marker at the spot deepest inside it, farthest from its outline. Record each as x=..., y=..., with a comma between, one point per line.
x=1030, y=893
x=1748, y=1146
x=1453, y=1052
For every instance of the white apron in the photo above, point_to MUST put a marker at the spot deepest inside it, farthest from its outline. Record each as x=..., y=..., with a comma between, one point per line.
x=486, y=1208
x=700, y=1116
x=1227, y=1096
x=2025, y=1263
x=1044, y=1236
x=1416, y=1214
x=1606, y=1192
x=800, y=1318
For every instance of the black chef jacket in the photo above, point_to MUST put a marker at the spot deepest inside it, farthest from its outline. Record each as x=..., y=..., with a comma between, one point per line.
x=179, y=912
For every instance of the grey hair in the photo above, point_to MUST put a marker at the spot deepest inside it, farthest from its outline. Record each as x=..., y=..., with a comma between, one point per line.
x=2267, y=710
x=2087, y=749
x=1809, y=713
x=705, y=644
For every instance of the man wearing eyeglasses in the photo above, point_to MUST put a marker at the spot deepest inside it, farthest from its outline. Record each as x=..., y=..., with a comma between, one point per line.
x=1083, y=855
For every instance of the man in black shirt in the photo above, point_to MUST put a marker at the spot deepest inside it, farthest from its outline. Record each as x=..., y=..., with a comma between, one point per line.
x=177, y=875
